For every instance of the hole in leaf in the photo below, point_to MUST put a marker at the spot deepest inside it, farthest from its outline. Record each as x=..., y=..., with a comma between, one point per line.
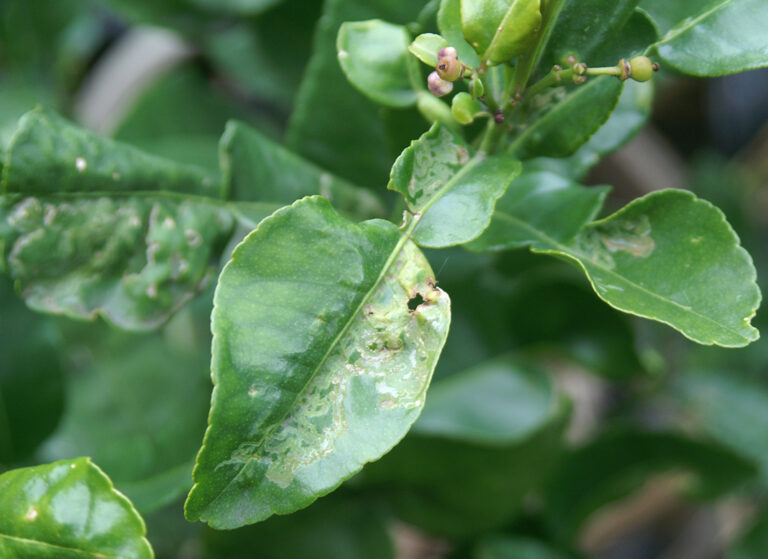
x=415, y=301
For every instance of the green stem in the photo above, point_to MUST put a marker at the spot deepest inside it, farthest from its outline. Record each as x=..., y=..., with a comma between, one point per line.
x=554, y=78
x=488, y=97
x=491, y=136
x=528, y=61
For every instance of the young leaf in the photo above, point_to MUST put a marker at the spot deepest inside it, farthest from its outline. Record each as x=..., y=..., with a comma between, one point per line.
x=540, y=203
x=453, y=193
x=500, y=30
x=374, y=56
x=326, y=334
x=641, y=260
x=256, y=168
x=67, y=510
x=93, y=228
x=426, y=46
x=565, y=127
x=711, y=38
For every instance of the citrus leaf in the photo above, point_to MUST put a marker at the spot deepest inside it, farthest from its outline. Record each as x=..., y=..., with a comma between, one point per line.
x=540, y=202
x=67, y=510
x=326, y=334
x=426, y=46
x=374, y=56
x=256, y=168
x=576, y=116
x=500, y=30
x=453, y=194
x=449, y=23
x=641, y=260
x=712, y=38
x=90, y=227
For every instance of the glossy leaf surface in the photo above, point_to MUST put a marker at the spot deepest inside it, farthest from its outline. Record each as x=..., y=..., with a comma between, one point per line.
x=578, y=113
x=326, y=334
x=712, y=38
x=642, y=258
x=543, y=202
x=374, y=56
x=91, y=227
x=452, y=192
x=256, y=168
x=616, y=464
x=500, y=29
x=67, y=510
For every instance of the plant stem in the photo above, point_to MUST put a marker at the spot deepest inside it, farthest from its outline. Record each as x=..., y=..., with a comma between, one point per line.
x=491, y=136
x=555, y=77
x=528, y=61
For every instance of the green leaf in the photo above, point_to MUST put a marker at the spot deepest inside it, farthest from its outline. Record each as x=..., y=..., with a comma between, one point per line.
x=619, y=461
x=374, y=56
x=514, y=547
x=499, y=402
x=712, y=38
x=256, y=168
x=626, y=120
x=732, y=409
x=578, y=113
x=426, y=46
x=139, y=411
x=540, y=203
x=333, y=124
x=93, y=228
x=453, y=194
x=466, y=466
x=599, y=32
x=449, y=23
x=67, y=510
x=500, y=30
x=641, y=260
x=326, y=334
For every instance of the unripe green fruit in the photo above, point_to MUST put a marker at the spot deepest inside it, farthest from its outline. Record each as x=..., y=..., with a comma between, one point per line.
x=641, y=68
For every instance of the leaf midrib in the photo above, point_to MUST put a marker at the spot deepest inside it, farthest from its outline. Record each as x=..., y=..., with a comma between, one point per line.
x=95, y=555
x=568, y=251
x=678, y=30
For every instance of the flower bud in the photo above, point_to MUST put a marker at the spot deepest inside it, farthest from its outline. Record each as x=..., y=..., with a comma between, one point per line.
x=438, y=85
x=448, y=66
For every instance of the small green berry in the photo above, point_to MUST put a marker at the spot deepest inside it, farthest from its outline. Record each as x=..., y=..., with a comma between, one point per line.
x=641, y=68
x=465, y=109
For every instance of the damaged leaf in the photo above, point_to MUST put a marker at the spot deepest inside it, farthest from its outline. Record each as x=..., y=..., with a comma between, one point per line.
x=90, y=227
x=453, y=192
x=321, y=360
x=668, y=256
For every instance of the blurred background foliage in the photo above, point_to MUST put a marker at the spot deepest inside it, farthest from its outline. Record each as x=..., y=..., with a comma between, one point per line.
x=555, y=427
